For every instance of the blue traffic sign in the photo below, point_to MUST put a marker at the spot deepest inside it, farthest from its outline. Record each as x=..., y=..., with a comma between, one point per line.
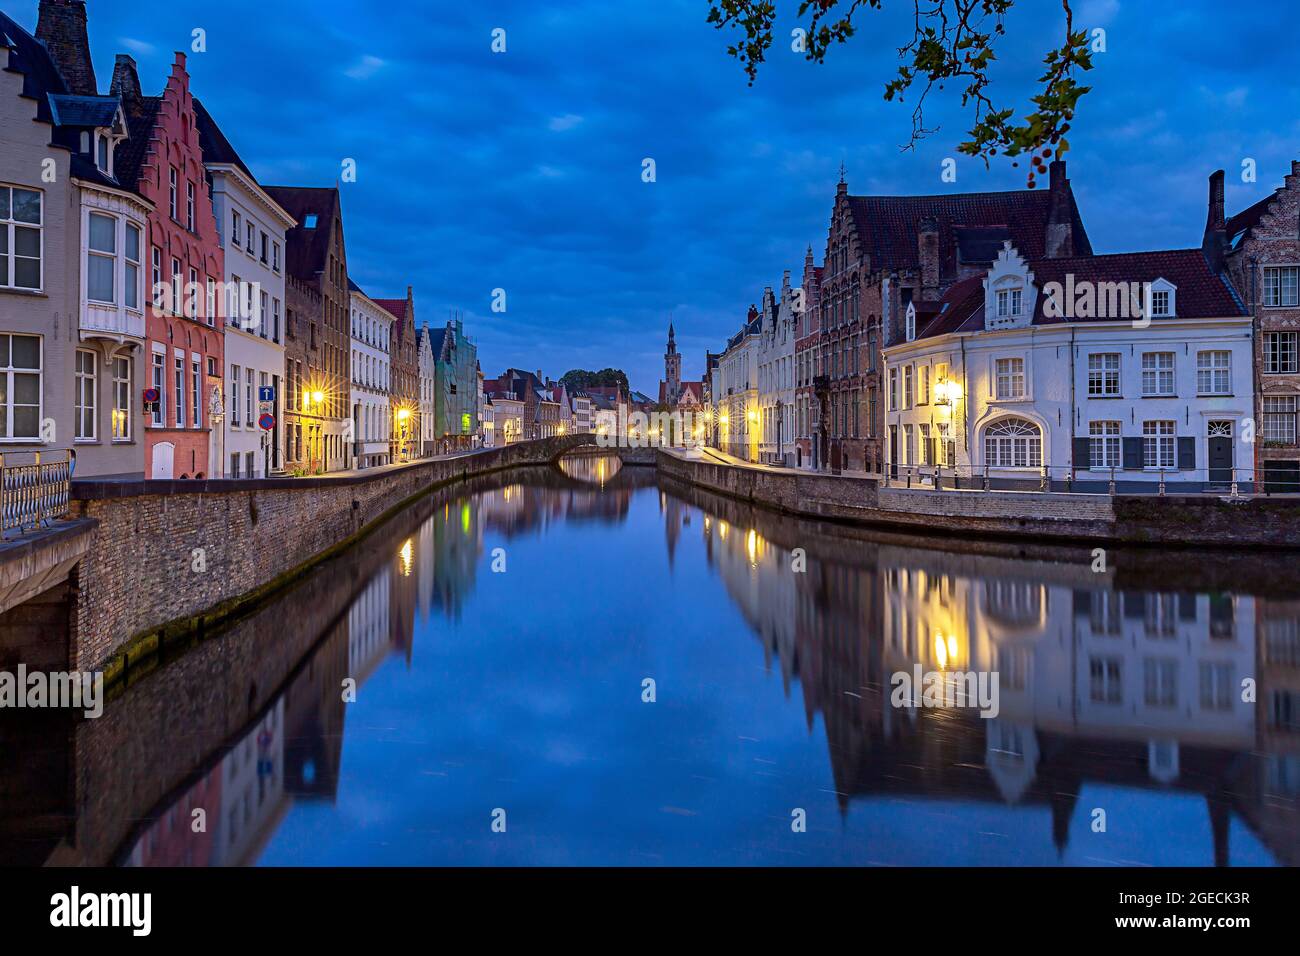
x=266, y=393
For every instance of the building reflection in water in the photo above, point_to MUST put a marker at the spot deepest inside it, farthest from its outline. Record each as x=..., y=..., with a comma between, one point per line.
x=1100, y=684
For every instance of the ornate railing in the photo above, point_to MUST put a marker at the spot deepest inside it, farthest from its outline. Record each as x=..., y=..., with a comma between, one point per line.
x=34, y=488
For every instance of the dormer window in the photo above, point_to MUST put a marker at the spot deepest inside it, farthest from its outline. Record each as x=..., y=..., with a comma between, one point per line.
x=911, y=321
x=310, y=222
x=1163, y=299
x=101, y=152
x=1009, y=302
x=1160, y=303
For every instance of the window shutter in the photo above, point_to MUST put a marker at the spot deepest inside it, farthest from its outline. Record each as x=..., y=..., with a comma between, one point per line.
x=1082, y=453
x=1187, y=454
x=1133, y=454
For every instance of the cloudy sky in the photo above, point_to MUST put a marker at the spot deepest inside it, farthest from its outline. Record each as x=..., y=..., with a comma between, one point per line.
x=522, y=170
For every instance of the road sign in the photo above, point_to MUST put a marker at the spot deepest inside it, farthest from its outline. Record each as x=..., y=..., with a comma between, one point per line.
x=151, y=395
x=266, y=422
x=266, y=393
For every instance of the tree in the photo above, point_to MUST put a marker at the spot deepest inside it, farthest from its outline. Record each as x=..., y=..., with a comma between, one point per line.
x=952, y=40
x=580, y=379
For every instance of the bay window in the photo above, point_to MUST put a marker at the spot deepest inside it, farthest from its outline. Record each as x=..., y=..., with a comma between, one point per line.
x=101, y=258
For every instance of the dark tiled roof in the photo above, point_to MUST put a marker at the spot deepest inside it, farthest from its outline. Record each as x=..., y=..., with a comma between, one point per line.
x=1201, y=293
x=307, y=250
x=395, y=306
x=128, y=158
x=216, y=148
x=28, y=56
x=84, y=111
x=888, y=226
x=1240, y=226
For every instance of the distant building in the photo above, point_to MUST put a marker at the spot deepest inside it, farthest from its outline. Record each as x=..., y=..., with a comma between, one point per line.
x=776, y=386
x=404, y=391
x=372, y=420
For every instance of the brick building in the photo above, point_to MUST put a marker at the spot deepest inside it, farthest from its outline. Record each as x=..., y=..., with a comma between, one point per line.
x=807, y=339
x=885, y=252
x=1260, y=250
x=405, y=390
x=317, y=342
x=185, y=321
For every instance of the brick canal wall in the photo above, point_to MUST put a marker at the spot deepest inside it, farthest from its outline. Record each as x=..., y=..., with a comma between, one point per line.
x=1204, y=521
x=173, y=557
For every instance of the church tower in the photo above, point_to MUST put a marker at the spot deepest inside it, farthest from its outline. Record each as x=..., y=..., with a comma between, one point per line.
x=672, y=370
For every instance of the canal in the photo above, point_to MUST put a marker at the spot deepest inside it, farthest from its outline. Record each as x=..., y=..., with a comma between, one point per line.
x=593, y=665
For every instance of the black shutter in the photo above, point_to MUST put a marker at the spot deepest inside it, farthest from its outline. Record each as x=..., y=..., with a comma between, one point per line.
x=1135, y=605
x=1187, y=454
x=1082, y=453
x=1082, y=603
x=1133, y=454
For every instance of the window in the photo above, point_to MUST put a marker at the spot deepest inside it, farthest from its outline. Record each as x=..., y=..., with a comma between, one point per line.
x=177, y=283
x=1157, y=373
x=275, y=256
x=196, y=392
x=1280, y=353
x=84, y=397
x=101, y=258
x=234, y=396
x=159, y=385
x=235, y=224
x=1103, y=375
x=21, y=240
x=249, y=420
x=923, y=385
x=189, y=206
x=1280, y=418
x=1158, y=444
x=1214, y=373
x=173, y=200
x=101, y=152
x=235, y=459
x=1160, y=682
x=911, y=324
x=192, y=294
x=893, y=389
x=121, y=399
x=1013, y=443
x=275, y=320
x=1009, y=302
x=1104, y=445
x=947, y=446
x=1010, y=379
x=252, y=238
x=131, y=283
x=263, y=316
x=20, y=386
x=1280, y=286
x=157, y=293
x=907, y=386
x=310, y=222
x=927, y=449
x=1216, y=686
x=1104, y=680
x=1160, y=303
x=180, y=391
x=266, y=242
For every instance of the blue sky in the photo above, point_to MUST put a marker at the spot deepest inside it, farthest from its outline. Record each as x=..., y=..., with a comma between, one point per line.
x=522, y=170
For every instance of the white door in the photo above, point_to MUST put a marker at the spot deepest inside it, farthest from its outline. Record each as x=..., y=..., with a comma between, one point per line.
x=163, y=454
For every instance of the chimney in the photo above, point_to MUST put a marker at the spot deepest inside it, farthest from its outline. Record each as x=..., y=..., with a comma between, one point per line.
x=61, y=26
x=1215, y=241
x=126, y=79
x=1059, y=241
x=927, y=253
x=753, y=313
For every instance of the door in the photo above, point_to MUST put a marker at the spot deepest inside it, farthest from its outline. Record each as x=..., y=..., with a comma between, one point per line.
x=893, y=451
x=1220, y=453
x=164, y=455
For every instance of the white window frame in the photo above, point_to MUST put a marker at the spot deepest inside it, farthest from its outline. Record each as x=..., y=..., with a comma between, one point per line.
x=1281, y=353
x=1104, y=375
x=9, y=226
x=1214, y=372
x=1105, y=445
x=85, y=391
x=9, y=373
x=1160, y=445
x=1156, y=373
x=1005, y=379
x=158, y=381
x=121, y=413
x=1281, y=286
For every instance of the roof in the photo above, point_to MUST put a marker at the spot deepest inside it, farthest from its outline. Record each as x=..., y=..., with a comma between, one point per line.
x=84, y=111
x=1240, y=226
x=395, y=306
x=28, y=56
x=216, y=148
x=970, y=225
x=1201, y=293
x=128, y=158
x=307, y=250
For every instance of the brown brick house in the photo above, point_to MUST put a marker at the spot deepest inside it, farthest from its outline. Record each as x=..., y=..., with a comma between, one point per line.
x=1260, y=248
x=885, y=252
x=405, y=379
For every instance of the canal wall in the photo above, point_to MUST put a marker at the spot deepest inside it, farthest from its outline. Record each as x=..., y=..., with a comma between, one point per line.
x=1174, y=520
x=175, y=557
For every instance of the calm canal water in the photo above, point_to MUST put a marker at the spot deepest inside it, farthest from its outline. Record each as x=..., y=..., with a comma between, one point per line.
x=500, y=637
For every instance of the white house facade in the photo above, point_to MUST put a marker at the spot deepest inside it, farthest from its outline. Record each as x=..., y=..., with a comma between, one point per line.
x=372, y=330
x=252, y=228
x=776, y=385
x=1053, y=374
x=736, y=396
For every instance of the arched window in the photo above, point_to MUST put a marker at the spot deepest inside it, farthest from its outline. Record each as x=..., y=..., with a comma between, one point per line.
x=1013, y=443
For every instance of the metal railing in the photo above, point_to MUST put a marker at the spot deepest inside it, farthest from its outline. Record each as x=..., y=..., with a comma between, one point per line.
x=1048, y=479
x=35, y=487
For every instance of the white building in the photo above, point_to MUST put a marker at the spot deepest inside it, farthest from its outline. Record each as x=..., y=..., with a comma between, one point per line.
x=583, y=416
x=776, y=385
x=507, y=426
x=372, y=334
x=252, y=227
x=736, y=397
x=1051, y=370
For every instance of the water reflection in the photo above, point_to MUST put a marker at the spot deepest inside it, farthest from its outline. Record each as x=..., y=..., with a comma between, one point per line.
x=498, y=635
